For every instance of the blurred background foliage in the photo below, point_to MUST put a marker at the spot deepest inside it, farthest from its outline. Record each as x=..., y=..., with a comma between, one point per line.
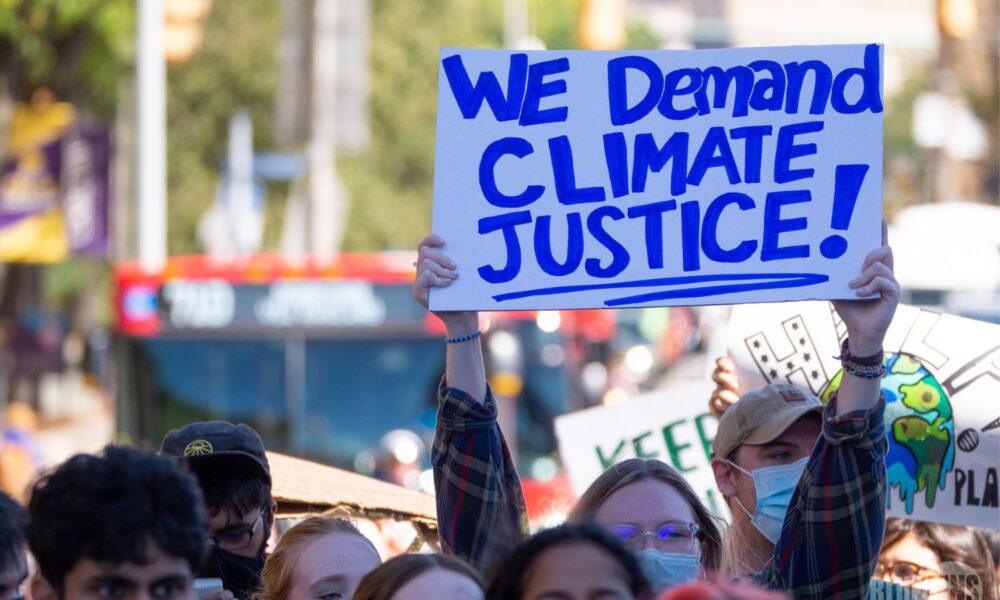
x=391, y=183
x=236, y=66
x=81, y=49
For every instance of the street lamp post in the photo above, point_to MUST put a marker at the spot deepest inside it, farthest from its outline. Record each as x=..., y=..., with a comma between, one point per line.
x=152, y=184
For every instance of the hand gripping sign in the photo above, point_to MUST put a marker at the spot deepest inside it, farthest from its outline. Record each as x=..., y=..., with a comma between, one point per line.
x=574, y=179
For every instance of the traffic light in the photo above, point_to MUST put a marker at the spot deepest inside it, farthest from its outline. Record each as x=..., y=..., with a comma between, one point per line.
x=182, y=31
x=602, y=24
x=957, y=18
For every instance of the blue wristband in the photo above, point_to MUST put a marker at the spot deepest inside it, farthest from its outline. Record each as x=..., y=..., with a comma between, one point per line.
x=464, y=338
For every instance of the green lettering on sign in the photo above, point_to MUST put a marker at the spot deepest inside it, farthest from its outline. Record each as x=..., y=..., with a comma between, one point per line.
x=706, y=442
x=640, y=452
x=607, y=462
x=674, y=449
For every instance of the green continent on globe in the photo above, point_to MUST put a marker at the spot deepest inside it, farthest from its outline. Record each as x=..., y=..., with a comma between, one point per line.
x=926, y=395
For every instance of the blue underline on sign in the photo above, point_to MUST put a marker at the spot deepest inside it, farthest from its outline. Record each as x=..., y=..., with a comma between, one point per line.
x=747, y=282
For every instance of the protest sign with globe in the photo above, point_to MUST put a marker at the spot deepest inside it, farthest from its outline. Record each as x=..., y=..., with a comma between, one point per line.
x=941, y=388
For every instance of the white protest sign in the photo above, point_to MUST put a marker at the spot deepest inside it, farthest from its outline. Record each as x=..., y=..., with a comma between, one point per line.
x=942, y=390
x=576, y=179
x=671, y=424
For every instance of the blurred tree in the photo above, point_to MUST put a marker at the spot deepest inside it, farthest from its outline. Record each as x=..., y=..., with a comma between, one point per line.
x=235, y=67
x=906, y=179
x=81, y=49
x=391, y=184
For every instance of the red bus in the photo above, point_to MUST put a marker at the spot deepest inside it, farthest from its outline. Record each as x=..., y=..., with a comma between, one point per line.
x=322, y=358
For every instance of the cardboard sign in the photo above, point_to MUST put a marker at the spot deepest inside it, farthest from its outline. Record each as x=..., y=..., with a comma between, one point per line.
x=606, y=179
x=942, y=389
x=671, y=424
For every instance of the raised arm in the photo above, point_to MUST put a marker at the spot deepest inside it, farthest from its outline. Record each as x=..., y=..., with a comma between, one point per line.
x=832, y=533
x=464, y=367
x=480, y=505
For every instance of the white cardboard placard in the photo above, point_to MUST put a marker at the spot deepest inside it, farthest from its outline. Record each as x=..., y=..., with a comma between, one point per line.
x=586, y=179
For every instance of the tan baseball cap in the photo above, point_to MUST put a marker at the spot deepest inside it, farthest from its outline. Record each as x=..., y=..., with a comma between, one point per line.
x=761, y=416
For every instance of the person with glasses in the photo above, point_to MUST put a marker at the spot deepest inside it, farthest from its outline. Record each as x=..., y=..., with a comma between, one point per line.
x=481, y=512
x=13, y=563
x=124, y=525
x=656, y=514
x=232, y=470
x=941, y=561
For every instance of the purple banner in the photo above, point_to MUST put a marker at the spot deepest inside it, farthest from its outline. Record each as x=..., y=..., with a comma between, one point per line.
x=70, y=174
x=84, y=181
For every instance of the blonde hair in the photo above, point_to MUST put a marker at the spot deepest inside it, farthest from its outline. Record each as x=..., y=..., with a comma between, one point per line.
x=745, y=550
x=637, y=469
x=278, y=575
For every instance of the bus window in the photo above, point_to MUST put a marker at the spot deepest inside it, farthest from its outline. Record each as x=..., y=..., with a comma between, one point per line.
x=357, y=390
x=207, y=379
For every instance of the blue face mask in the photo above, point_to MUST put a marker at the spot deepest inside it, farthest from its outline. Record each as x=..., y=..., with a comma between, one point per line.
x=667, y=569
x=774, y=487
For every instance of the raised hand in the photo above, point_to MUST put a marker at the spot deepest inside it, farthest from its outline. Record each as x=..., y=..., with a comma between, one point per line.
x=727, y=387
x=434, y=269
x=867, y=321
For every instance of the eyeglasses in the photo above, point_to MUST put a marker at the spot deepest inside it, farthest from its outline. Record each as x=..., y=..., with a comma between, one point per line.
x=673, y=536
x=906, y=573
x=236, y=537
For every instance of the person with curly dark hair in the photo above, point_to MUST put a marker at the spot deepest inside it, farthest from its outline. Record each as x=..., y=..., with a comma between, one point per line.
x=13, y=564
x=569, y=561
x=122, y=524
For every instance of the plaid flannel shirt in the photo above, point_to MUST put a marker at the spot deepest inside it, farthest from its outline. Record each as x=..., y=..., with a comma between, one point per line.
x=830, y=540
x=832, y=534
x=480, y=506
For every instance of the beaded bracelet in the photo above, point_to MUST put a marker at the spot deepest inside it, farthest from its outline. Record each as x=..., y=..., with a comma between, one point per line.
x=464, y=338
x=867, y=367
x=865, y=372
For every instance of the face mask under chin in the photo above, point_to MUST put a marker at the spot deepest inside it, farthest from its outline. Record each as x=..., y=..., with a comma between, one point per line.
x=239, y=574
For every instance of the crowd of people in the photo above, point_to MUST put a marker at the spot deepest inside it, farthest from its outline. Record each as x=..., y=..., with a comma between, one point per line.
x=805, y=483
